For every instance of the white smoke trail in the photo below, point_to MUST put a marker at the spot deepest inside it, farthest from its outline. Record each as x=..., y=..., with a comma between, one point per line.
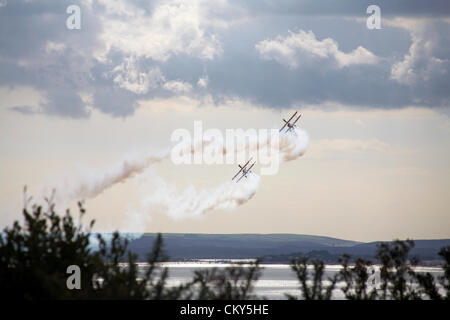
x=293, y=144
x=190, y=202
x=194, y=203
x=91, y=183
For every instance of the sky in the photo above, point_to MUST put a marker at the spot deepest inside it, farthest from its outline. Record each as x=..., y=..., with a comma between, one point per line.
x=79, y=105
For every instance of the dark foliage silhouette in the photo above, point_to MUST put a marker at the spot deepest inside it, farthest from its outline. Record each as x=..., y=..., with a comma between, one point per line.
x=427, y=283
x=316, y=289
x=34, y=260
x=231, y=283
x=356, y=279
x=35, y=255
x=396, y=271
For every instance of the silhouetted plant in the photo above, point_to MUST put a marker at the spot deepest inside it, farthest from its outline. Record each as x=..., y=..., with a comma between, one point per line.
x=34, y=260
x=230, y=283
x=396, y=274
x=117, y=280
x=445, y=278
x=355, y=279
x=427, y=282
x=314, y=290
x=427, y=286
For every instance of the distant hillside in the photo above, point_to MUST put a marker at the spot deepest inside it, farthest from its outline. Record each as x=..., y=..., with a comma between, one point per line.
x=181, y=246
x=273, y=247
x=424, y=249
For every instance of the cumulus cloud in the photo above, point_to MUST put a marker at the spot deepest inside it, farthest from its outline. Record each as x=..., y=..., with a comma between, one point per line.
x=173, y=27
x=56, y=47
x=203, y=82
x=116, y=56
x=132, y=50
x=130, y=77
x=422, y=62
x=303, y=45
x=178, y=86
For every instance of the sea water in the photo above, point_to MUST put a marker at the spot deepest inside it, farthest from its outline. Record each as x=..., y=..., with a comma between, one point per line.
x=276, y=281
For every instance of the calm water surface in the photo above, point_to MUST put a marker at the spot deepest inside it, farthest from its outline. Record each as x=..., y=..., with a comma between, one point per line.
x=276, y=281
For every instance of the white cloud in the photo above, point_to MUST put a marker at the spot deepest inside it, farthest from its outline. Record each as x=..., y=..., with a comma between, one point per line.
x=178, y=86
x=296, y=47
x=358, y=56
x=421, y=63
x=3, y=3
x=129, y=77
x=54, y=47
x=203, y=82
x=174, y=27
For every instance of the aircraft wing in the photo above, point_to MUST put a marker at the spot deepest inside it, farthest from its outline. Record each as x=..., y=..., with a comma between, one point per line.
x=242, y=168
x=247, y=163
x=292, y=117
x=297, y=119
x=245, y=173
x=287, y=122
x=237, y=174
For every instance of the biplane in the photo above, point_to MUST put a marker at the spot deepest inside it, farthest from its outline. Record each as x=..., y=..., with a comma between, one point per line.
x=243, y=171
x=290, y=126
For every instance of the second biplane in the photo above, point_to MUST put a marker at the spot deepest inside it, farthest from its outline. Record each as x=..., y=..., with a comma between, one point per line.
x=243, y=171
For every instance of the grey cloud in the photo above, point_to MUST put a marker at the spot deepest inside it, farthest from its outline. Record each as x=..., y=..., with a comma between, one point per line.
x=241, y=72
x=414, y=8
x=65, y=102
x=69, y=68
x=64, y=72
x=26, y=29
x=23, y=109
x=115, y=101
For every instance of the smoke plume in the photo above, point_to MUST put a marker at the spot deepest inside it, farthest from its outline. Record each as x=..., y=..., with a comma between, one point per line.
x=193, y=203
x=91, y=183
x=190, y=202
x=293, y=146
